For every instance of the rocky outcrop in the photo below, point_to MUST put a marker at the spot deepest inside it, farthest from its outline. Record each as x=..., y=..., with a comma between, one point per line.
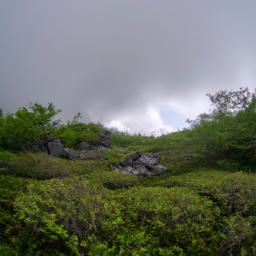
x=72, y=154
x=141, y=164
x=84, y=146
x=55, y=147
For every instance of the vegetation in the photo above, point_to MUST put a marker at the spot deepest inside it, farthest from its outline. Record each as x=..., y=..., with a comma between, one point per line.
x=205, y=204
x=72, y=134
x=27, y=127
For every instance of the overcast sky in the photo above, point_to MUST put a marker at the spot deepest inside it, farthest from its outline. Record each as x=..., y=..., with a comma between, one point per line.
x=139, y=65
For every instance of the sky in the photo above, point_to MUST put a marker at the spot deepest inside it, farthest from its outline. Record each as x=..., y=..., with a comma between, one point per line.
x=142, y=66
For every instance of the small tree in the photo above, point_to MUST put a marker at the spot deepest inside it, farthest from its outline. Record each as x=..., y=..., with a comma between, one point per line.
x=231, y=102
x=228, y=132
x=28, y=126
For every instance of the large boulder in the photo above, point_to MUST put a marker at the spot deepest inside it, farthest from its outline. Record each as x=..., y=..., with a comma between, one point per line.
x=56, y=148
x=141, y=164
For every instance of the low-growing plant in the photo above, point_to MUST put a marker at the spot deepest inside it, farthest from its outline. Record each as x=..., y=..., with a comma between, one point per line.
x=153, y=220
x=60, y=217
x=115, y=180
x=36, y=165
x=10, y=187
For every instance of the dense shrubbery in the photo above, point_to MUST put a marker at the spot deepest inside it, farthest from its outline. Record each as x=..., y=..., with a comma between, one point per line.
x=52, y=206
x=163, y=222
x=74, y=133
x=59, y=217
x=75, y=216
x=228, y=133
x=9, y=189
x=27, y=127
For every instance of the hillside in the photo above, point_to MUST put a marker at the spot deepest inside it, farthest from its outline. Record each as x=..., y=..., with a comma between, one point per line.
x=204, y=204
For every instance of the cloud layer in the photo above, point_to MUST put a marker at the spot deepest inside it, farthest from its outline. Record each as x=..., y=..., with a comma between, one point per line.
x=119, y=62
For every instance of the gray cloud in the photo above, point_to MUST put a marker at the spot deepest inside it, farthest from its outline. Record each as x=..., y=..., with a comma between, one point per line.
x=112, y=59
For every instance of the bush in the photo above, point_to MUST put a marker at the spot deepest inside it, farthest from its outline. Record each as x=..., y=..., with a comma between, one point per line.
x=10, y=187
x=161, y=221
x=4, y=157
x=36, y=165
x=74, y=133
x=228, y=132
x=238, y=236
x=27, y=128
x=116, y=180
x=201, y=213
x=239, y=195
x=60, y=217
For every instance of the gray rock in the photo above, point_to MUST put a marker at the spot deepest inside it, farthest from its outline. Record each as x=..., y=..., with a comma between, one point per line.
x=56, y=148
x=72, y=154
x=84, y=146
x=141, y=164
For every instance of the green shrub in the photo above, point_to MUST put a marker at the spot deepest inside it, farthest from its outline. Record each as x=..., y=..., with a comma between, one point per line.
x=73, y=133
x=115, y=179
x=228, y=132
x=4, y=157
x=239, y=195
x=201, y=213
x=10, y=187
x=228, y=165
x=238, y=236
x=27, y=127
x=154, y=220
x=60, y=217
x=36, y=165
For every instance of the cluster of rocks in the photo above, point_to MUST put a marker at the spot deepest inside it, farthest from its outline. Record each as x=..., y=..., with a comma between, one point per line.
x=141, y=164
x=56, y=148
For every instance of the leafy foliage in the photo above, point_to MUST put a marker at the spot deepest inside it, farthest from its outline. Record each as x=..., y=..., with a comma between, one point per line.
x=228, y=133
x=205, y=204
x=60, y=217
x=72, y=134
x=27, y=127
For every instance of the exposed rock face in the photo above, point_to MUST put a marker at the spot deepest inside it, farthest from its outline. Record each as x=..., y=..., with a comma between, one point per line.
x=141, y=164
